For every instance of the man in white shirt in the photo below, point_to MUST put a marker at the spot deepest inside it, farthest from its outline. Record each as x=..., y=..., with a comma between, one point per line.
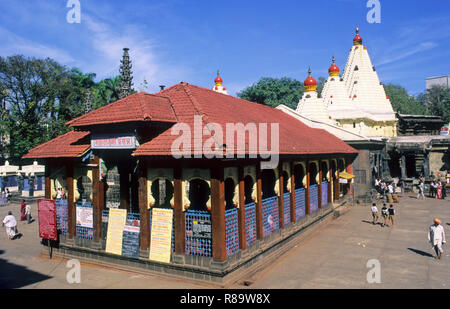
x=436, y=236
x=374, y=213
x=10, y=222
x=28, y=212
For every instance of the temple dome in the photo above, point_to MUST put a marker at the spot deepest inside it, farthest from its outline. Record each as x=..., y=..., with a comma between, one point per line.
x=334, y=69
x=357, y=40
x=310, y=83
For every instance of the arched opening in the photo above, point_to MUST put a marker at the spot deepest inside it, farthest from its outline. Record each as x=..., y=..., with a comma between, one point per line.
x=199, y=193
x=312, y=174
x=324, y=169
x=248, y=188
x=230, y=189
x=299, y=173
x=344, y=187
x=285, y=182
x=268, y=183
x=162, y=192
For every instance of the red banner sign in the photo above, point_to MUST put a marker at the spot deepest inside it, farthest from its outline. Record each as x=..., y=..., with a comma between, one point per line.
x=47, y=219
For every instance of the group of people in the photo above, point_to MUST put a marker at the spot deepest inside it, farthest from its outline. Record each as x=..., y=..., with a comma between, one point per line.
x=10, y=221
x=389, y=187
x=438, y=190
x=386, y=213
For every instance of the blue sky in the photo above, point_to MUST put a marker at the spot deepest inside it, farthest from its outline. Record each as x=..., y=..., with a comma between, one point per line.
x=173, y=41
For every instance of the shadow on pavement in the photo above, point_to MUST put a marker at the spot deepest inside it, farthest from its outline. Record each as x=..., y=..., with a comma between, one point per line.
x=370, y=222
x=16, y=276
x=422, y=253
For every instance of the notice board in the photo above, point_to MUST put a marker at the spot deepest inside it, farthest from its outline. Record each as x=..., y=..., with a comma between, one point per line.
x=130, y=242
x=85, y=216
x=116, y=223
x=47, y=219
x=161, y=237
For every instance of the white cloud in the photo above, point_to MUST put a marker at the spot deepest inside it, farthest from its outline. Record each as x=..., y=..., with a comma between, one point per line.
x=13, y=44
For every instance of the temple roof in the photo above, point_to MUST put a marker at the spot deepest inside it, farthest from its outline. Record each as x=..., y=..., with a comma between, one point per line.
x=179, y=105
x=294, y=136
x=70, y=145
x=138, y=107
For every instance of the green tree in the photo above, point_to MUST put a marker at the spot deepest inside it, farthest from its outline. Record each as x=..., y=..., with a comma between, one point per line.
x=437, y=99
x=274, y=91
x=404, y=103
x=42, y=96
x=106, y=91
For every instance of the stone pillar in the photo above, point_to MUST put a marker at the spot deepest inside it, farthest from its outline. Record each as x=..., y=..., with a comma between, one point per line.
x=426, y=165
x=307, y=197
x=219, y=250
x=293, y=215
x=403, y=166
x=241, y=210
x=259, y=227
x=144, y=213
x=97, y=209
x=70, y=202
x=320, y=184
x=179, y=219
x=124, y=188
x=48, y=189
x=281, y=198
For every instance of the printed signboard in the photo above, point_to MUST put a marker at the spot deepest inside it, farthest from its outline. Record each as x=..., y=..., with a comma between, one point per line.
x=85, y=217
x=114, y=236
x=161, y=237
x=201, y=229
x=130, y=242
x=113, y=141
x=47, y=219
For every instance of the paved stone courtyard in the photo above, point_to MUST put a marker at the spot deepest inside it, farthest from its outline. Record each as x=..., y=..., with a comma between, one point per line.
x=335, y=257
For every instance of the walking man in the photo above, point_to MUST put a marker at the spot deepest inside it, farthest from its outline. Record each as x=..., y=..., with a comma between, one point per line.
x=10, y=222
x=28, y=212
x=384, y=214
x=374, y=213
x=421, y=189
x=391, y=215
x=436, y=236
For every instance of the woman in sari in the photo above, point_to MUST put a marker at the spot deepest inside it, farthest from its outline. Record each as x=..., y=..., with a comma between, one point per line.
x=439, y=190
x=23, y=216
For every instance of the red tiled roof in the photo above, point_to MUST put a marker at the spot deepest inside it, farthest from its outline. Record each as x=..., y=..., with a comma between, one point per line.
x=64, y=146
x=189, y=100
x=136, y=107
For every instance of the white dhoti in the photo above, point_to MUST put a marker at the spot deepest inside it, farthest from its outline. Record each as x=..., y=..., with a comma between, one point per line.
x=11, y=231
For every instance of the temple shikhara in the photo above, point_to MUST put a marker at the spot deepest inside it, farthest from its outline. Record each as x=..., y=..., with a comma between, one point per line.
x=354, y=100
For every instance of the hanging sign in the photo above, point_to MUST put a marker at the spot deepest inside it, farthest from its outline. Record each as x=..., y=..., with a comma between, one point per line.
x=202, y=229
x=114, y=236
x=47, y=219
x=113, y=141
x=161, y=237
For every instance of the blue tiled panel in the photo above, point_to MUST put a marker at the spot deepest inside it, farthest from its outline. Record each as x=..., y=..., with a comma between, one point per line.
x=299, y=203
x=197, y=246
x=62, y=216
x=314, y=198
x=270, y=221
x=231, y=231
x=324, y=193
x=11, y=181
x=250, y=223
x=287, y=208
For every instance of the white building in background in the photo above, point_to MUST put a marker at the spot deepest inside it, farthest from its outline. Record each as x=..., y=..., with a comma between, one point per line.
x=438, y=81
x=355, y=100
